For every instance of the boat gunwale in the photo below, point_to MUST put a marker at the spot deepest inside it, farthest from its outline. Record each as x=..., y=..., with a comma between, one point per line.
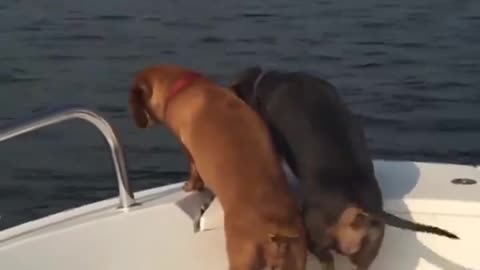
x=107, y=205
x=110, y=206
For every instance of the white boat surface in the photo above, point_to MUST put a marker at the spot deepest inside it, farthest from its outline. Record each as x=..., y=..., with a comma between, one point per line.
x=166, y=228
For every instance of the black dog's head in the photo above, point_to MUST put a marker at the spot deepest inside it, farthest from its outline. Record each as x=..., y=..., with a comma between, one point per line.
x=353, y=233
x=370, y=247
x=243, y=83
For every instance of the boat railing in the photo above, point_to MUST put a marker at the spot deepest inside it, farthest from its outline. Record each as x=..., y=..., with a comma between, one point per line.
x=55, y=116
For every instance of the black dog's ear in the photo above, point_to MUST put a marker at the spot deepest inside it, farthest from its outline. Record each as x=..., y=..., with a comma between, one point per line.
x=247, y=75
x=354, y=216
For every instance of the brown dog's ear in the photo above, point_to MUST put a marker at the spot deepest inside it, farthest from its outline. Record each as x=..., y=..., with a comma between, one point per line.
x=137, y=104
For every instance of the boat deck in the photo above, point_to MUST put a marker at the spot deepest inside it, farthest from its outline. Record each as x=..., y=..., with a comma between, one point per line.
x=168, y=230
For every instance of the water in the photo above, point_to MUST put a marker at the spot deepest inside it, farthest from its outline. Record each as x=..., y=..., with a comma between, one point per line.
x=408, y=68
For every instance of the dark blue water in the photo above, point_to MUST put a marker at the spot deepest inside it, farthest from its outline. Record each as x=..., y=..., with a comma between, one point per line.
x=410, y=69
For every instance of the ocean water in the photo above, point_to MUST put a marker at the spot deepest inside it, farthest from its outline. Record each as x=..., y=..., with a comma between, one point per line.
x=409, y=69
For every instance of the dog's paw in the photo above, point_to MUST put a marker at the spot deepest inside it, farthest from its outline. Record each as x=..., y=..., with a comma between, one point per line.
x=190, y=185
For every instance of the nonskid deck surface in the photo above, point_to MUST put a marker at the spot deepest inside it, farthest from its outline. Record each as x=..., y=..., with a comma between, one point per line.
x=168, y=230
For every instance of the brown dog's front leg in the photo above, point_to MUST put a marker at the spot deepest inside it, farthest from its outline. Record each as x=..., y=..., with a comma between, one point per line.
x=194, y=182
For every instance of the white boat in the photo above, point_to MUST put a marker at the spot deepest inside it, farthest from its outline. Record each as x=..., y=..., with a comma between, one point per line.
x=165, y=228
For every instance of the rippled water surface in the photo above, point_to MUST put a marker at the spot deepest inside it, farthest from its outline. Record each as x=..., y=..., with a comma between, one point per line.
x=410, y=69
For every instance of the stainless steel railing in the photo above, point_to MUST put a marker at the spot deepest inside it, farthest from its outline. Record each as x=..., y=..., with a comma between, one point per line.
x=22, y=126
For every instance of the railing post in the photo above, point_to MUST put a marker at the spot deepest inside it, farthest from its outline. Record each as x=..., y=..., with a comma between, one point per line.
x=22, y=126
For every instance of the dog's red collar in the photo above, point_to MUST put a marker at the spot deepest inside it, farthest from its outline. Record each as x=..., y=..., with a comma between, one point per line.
x=181, y=84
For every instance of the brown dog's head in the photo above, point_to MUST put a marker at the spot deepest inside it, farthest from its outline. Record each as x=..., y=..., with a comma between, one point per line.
x=150, y=91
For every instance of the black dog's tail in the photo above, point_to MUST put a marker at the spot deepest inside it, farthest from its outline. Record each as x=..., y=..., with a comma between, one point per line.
x=398, y=222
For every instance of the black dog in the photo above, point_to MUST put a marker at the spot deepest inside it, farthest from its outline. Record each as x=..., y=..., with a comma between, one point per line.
x=325, y=146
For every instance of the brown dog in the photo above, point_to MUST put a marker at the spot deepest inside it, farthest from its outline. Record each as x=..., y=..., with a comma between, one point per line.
x=230, y=151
